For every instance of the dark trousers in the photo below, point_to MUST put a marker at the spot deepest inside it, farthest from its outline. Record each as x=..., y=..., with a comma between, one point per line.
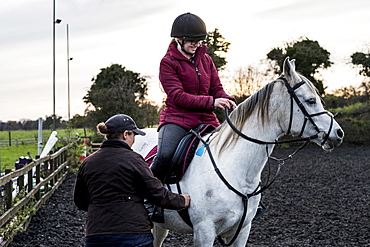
x=120, y=240
x=169, y=137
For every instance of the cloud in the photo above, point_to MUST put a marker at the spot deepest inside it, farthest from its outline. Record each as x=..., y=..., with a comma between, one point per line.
x=136, y=33
x=107, y=16
x=306, y=10
x=23, y=22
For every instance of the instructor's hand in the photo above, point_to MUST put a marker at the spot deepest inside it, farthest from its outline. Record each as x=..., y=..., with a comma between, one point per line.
x=187, y=200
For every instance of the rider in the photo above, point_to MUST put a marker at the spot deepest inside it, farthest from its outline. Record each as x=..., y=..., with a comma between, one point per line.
x=190, y=80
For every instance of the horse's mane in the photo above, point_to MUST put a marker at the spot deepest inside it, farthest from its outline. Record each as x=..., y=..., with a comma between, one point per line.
x=259, y=102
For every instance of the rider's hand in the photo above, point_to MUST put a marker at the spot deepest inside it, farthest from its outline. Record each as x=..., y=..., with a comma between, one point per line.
x=223, y=102
x=187, y=200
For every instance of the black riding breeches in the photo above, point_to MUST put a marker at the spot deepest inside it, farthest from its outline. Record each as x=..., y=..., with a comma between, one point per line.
x=169, y=137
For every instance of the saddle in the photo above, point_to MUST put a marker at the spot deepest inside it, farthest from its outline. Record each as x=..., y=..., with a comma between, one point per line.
x=184, y=153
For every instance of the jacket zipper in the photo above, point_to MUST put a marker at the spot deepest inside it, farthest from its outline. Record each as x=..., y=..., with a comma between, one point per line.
x=198, y=75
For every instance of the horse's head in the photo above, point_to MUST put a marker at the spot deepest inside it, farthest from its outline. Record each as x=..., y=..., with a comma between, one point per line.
x=308, y=118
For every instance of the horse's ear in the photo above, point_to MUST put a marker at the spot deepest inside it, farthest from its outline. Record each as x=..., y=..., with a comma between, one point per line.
x=289, y=70
x=292, y=63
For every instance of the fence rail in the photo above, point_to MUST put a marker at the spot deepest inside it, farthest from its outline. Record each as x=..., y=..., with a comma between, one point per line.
x=19, y=141
x=44, y=176
x=16, y=141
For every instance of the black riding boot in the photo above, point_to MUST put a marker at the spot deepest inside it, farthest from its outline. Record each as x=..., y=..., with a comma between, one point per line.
x=159, y=170
x=156, y=213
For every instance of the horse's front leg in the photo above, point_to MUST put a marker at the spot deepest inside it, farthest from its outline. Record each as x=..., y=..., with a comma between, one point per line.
x=159, y=235
x=204, y=234
x=242, y=239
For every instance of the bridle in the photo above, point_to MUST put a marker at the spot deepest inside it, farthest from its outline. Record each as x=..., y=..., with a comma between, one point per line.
x=307, y=117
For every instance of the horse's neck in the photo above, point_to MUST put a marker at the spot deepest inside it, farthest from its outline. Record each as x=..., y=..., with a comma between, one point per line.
x=245, y=158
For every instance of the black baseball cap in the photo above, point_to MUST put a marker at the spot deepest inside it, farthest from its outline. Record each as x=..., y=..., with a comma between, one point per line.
x=121, y=123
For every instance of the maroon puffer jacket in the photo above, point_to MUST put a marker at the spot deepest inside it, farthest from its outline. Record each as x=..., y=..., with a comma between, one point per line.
x=191, y=87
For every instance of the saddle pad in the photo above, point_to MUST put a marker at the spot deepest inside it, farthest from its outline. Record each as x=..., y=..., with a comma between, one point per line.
x=151, y=155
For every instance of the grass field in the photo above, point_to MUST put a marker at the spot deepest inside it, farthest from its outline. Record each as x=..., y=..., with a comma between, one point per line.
x=9, y=155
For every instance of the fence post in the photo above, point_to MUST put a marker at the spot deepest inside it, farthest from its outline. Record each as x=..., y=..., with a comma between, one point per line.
x=65, y=160
x=52, y=169
x=10, y=138
x=37, y=173
x=57, y=164
x=30, y=180
x=20, y=179
x=8, y=191
x=46, y=174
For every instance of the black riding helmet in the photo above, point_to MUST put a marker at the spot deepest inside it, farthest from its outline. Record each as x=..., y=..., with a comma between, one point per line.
x=189, y=27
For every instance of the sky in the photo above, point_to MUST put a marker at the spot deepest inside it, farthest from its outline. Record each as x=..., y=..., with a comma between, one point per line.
x=136, y=35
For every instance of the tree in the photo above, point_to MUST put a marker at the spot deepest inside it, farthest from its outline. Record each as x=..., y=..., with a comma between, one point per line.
x=216, y=44
x=310, y=59
x=48, y=122
x=365, y=86
x=28, y=124
x=78, y=122
x=115, y=90
x=362, y=61
x=149, y=114
x=248, y=80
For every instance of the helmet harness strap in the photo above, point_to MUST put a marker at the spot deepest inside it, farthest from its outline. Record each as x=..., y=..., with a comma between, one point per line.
x=182, y=47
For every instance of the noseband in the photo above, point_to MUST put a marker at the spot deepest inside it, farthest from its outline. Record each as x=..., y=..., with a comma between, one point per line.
x=307, y=117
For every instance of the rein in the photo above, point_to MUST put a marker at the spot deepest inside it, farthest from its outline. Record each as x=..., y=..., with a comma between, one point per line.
x=243, y=196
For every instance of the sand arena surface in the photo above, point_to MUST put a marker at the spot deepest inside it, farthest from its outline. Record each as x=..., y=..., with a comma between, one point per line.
x=319, y=199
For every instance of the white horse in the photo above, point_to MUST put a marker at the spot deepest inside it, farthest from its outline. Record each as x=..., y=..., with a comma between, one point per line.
x=288, y=105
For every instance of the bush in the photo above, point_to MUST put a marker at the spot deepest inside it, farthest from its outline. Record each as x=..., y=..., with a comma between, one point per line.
x=355, y=121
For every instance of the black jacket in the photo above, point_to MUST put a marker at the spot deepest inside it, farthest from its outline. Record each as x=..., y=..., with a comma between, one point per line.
x=111, y=186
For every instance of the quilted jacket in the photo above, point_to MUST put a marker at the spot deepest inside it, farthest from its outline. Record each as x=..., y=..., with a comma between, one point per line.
x=111, y=186
x=191, y=86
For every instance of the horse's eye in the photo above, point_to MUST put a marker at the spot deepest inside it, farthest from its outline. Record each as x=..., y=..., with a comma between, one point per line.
x=311, y=101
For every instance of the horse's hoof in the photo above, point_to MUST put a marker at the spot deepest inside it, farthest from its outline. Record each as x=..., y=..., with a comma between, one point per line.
x=261, y=210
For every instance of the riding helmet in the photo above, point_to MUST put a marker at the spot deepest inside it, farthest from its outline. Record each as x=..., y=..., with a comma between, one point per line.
x=189, y=27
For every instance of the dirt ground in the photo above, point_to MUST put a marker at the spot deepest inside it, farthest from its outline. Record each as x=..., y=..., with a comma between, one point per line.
x=319, y=199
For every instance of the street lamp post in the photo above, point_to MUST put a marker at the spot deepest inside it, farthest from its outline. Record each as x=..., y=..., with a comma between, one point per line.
x=68, y=59
x=57, y=21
